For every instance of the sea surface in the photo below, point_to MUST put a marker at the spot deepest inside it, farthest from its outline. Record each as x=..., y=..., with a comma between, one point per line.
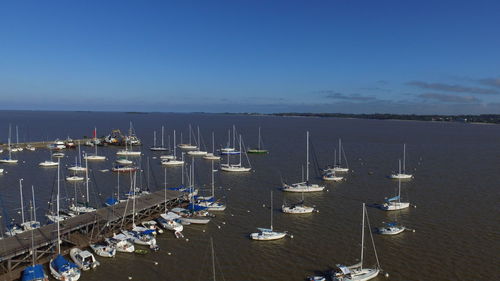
x=456, y=191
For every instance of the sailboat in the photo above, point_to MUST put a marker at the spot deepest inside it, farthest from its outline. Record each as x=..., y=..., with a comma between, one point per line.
x=337, y=167
x=168, y=220
x=211, y=203
x=162, y=147
x=94, y=156
x=228, y=150
x=303, y=186
x=9, y=160
x=357, y=272
x=127, y=152
x=15, y=229
x=34, y=272
x=78, y=162
x=236, y=167
x=211, y=155
x=394, y=203
x=197, y=151
x=75, y=176
x=17, y=147
x=402, y=175
x=267, y=234
x=82, y=209
x=173, y=161
x=297, y=208
x=260, y=145
x=61, y=268
x=188, y=146
x=138, y=235
x=331, y=175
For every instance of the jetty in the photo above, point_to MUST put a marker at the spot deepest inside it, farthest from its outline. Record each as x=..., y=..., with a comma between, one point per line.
x=40, y=245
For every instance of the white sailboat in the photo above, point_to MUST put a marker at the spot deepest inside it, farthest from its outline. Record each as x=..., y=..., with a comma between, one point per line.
x=297, y=208
x=197, y=151
x=236, y=167
x=357, y=272
x=138, y=235
x=9, y=160
x=228, y=150
x=95, y=156
x=78, y=163
x=127, y=152
x=268, y=234
x=17, y=147
x=25, y=225
x=162, y=147
x=82, y=209
x=402, y=175
x=394, y=203
x=337, y=167
x=61, y=268
x=188, y=146
x=211, y=155
x=121, y=243
x=173, y=161
x=304, y=186
x=211, y=203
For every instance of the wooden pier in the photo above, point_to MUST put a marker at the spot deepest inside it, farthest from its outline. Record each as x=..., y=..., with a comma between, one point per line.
x=17, y=252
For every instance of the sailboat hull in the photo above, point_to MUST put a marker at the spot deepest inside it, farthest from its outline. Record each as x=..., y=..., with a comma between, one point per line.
x=401, y=176
x=394, y=206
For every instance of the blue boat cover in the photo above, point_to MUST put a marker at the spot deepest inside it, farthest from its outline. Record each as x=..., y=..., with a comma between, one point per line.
x=392, y=199
x=111, y=201
x=62, y=265
x=34, y=272
x=181, y=187
x=392, y=223
x=148, y=232
x=196, y=208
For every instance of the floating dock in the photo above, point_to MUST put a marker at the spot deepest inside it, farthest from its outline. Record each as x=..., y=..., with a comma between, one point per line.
x=40, y=244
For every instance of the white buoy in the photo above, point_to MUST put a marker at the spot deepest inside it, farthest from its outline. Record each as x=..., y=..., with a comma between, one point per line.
x=156, y=263
x=248, y=211
x=387, y=275
x=169, y=253
x=223, y=222
x=187, y=239
x=263, y=205
x=203, y=230
x=130, y=278
x=218, y=226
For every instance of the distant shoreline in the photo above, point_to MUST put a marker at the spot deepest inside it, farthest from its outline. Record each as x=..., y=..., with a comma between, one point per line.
x=481, y=119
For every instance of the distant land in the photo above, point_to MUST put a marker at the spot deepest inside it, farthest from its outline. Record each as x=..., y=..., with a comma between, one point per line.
x=483, y=118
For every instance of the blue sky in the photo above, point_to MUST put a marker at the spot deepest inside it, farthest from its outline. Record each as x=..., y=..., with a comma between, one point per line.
x=251, y=56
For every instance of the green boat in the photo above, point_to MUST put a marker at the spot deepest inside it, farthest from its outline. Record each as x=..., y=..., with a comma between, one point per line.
x=259, y=149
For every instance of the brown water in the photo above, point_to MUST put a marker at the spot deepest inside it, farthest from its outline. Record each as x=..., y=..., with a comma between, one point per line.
x=456, y=191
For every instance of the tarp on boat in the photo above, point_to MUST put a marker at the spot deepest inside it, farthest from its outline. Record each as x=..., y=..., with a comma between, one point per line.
x=194, y=207
x=34, y=272
x=111, y=201
x=62, y=265
x=170, y=216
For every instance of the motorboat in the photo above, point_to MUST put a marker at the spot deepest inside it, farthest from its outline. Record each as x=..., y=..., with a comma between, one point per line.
x=85, y=260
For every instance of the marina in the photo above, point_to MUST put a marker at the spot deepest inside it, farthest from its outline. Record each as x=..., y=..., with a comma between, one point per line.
x=329, y=236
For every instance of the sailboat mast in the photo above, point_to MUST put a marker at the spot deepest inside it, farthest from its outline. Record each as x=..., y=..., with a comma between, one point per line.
x=118, y=186
x=183, y=167
x=199, y=145
x=34, y=204
x=165, y=182
x=154, y=138
x=162, y=136
x=95, y=141
x=213, y=180
x=175, y=157
x=307, y=158
x=259, y=140
x=32, y=238
x=234, y=136
x=213, y=257
x=57, y=206
x=241, y=152
x=271, y=210
x=17, y=135
x=404, y=158
x=133, y=199
x=213, y=143
x=189, y=134
x=87, y=179
x=79, y=155
x=21, y=194
x=340, y=152
x=363, y=236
